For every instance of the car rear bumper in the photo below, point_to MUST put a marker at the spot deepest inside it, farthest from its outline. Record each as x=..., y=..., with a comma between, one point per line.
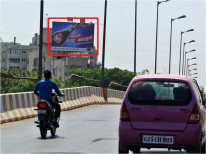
x=188, y=139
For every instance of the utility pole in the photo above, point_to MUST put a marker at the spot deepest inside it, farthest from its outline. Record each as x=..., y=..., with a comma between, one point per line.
x=41, y=39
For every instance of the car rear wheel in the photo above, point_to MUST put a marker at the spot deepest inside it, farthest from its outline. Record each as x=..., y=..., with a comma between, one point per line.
x=123, y=149
x=137, y=150
x=198, y=150
x=203, y=148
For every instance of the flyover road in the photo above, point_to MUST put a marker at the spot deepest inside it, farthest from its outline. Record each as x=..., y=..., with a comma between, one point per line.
x=91, y=129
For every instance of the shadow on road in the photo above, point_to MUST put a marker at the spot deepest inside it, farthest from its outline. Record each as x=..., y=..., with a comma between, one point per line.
x=57, y=153
x=154, y=151
x=52, y=137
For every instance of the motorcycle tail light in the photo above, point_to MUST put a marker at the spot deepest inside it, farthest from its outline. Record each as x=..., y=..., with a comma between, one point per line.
x=41, y=105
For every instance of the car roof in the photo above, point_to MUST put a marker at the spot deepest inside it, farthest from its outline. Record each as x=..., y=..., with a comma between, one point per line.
x=164, y=76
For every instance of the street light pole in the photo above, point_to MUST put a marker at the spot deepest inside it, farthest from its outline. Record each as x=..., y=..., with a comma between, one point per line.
x=186, y=57
x=158, y=2
x=180, y=51
x=188, y=73
x=103, y=47
x=184, y=54
x=171, y=39
x=181, y=46
x=41, y=39
x=183, y=57
x=192, y=64
x=170, y=44
x=156, y=37
x=193, y=74
x=135, y=36
x=191, y=70
x=187, y=64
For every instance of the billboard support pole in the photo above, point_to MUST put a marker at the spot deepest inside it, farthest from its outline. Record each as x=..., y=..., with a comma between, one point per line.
x=103, y=47
x=41, y=40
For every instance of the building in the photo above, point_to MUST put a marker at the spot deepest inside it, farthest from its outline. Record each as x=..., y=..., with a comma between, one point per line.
x=15, y=55
x=59, y=66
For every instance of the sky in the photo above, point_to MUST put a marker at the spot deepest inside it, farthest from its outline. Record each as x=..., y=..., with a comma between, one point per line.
x=21, y=19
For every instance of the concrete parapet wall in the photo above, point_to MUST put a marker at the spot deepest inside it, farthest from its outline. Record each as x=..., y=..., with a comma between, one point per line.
x=115, y=96
x=18, y=106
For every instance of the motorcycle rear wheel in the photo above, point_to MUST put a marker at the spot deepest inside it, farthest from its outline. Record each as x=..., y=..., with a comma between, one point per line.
x=43, y=129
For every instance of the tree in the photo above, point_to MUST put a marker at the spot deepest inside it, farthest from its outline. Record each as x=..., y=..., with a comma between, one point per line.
x=88, y=77
x=115, y=75
x=18, y=85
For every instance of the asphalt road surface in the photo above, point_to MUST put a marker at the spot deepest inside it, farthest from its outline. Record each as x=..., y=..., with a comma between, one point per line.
x=91, y=129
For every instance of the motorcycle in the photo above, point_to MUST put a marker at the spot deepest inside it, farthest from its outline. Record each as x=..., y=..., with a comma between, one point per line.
x=46, y=116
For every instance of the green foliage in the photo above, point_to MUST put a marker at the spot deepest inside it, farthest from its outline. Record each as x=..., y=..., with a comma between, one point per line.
x=92, y=77
x=18, y=85
x=59, y=82
x=78, y=83
x=122, y=77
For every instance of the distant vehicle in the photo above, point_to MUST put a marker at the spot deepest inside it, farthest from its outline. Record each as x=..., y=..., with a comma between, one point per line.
x=162, y=111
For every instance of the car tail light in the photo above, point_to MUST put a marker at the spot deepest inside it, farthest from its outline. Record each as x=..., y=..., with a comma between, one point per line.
x=124, y=116
x=41, y=105
x=195, y=115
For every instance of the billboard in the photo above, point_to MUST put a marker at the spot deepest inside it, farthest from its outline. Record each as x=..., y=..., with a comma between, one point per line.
x=70, y=36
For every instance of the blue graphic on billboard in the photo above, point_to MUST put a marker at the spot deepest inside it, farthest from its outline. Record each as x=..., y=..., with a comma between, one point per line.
x=69, y=36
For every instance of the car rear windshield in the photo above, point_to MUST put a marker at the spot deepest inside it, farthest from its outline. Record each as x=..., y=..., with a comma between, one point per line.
x=159, y=93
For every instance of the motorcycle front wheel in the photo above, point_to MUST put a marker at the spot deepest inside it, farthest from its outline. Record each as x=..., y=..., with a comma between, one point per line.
x=43, y=129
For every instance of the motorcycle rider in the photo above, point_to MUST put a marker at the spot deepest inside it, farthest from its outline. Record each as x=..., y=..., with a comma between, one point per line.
x=44, y=90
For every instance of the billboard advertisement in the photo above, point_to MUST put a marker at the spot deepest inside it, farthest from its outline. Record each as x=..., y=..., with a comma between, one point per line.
x=70, y=36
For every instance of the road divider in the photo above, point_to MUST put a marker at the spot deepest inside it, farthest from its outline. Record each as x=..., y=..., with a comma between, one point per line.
x=18, y=106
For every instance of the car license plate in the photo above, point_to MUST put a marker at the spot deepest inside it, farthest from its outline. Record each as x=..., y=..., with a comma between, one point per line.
x=153, y=139
x=40, y=111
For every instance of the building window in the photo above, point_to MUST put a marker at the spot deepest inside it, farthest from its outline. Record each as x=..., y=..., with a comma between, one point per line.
x=23, y=60
x=15, y=51
x=3, y=51
x=14, y=60
x=3, y=60
x=13, y=67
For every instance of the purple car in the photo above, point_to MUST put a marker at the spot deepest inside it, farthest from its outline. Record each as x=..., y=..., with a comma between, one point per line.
x=162, y=111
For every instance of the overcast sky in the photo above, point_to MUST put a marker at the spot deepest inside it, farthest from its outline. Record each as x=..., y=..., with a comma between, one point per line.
x=21, y=19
